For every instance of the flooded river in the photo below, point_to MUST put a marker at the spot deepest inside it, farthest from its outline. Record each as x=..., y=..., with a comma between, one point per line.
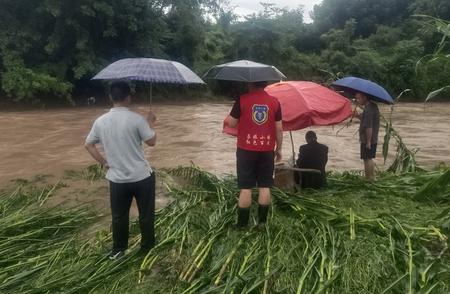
x=51, y=141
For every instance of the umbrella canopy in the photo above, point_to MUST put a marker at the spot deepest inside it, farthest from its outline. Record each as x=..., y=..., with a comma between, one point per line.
x=149, y=70
x=373, y=90
x=244, y=71
x=305, y=104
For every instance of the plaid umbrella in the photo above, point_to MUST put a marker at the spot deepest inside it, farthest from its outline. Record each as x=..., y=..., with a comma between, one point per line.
x=149, y=70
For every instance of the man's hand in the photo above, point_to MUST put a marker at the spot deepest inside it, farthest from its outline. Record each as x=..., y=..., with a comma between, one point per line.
x=93, y=151
x=278, y=155
x=356, y=114
x=231, y=122
x=368, y=145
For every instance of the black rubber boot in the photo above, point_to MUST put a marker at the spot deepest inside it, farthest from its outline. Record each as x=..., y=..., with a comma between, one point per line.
x=263, y=210
x=243, y=216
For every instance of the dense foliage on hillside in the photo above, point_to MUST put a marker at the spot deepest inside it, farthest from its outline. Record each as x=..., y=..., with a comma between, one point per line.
x=50, y=49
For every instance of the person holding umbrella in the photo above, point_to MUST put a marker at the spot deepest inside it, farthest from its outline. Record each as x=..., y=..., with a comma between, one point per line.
x=366, y=93
x=121, y=132
x=368, y=133
x=258, y=119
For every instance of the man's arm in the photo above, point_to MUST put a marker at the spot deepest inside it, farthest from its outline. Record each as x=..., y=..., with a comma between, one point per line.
x=368, y=137
x=93, y=151
x=146, y=129
x=356, y=114
x=151, y=141
x=301, y=156
x=92, y=139
x=279, y=131
x=231, y=121
x=367, y=123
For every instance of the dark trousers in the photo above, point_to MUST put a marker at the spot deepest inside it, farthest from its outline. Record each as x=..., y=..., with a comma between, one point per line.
x=121, y=195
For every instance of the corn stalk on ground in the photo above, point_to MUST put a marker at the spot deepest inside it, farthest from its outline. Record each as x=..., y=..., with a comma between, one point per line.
x=352, y=237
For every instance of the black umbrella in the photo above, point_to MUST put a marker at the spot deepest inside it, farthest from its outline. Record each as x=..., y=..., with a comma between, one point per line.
x=244, y=71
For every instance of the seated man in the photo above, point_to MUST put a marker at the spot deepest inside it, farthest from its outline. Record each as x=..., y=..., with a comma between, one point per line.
x=315, y=156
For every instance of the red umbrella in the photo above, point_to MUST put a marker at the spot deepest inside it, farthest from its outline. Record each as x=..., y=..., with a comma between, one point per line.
x=305, y=104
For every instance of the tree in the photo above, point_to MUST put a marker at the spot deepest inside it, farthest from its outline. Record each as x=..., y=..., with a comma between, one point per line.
x=367, y=13
x=435, y=8
x=263, y=37
x=69, y=40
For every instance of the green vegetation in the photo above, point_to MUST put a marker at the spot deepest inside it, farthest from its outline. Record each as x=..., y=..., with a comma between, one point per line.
x=352, y=237
x=49, y=50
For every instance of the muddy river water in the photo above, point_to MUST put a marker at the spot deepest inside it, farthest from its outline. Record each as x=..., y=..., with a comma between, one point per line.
x=51, y=141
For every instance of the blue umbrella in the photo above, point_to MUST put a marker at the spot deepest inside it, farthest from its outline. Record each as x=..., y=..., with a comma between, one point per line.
x=149, y=70
x=373, y=90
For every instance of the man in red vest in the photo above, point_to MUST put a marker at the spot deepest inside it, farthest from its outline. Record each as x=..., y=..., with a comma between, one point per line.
x=257, y=116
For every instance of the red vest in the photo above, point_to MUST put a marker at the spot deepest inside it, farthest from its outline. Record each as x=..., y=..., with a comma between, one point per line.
x=256, y=128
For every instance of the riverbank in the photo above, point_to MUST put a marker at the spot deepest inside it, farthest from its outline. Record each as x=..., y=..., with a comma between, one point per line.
x=352, y=237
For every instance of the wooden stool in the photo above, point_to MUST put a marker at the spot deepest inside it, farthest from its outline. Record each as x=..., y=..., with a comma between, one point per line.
x=285, y=179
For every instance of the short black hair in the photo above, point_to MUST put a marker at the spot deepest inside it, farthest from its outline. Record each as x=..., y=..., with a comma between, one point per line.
x=310, y=136
x=119, y=91
x=261, y=84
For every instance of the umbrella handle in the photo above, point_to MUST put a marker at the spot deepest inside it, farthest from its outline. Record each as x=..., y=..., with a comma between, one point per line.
x=347, y=124
x=150, y=94
x=293, y=150
x=353, y=113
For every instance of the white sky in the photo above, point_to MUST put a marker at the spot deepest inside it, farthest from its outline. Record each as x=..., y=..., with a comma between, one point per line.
x=245, y=7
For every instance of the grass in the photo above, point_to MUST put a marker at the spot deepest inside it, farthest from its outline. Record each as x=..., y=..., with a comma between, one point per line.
x=352, y=237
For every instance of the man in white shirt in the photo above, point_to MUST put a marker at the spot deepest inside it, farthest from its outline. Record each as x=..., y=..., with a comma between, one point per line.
x=121, y=132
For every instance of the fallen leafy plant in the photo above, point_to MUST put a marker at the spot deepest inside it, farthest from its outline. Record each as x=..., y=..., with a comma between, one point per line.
x=352, y=237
